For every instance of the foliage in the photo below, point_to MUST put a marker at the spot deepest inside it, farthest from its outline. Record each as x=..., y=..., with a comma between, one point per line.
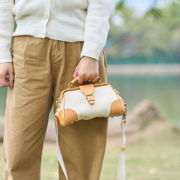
x=153, y=11
x=120, y=5
x=145, y=36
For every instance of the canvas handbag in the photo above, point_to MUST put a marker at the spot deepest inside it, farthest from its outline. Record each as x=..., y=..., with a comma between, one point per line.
x=86, y=102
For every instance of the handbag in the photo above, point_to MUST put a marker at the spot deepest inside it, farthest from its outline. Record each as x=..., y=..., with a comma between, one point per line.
x=86, y=102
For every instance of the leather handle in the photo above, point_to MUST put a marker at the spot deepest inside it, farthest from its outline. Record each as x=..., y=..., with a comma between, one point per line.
x=75, y=79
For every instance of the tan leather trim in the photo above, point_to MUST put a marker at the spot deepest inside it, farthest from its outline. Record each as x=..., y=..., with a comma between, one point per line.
x=77, y=88
x=125, y=109
x=121, y=101
x=123, y=149
x=117, y=108
x=67, y=117
x=88, y=90
x=75, y=79
x=55, y=117
x=90, y=99
x=61, y=118
x=63, y=110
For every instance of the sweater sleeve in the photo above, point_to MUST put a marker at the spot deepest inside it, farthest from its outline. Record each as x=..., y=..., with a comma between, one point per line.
x=97, y=27
x=6, y=30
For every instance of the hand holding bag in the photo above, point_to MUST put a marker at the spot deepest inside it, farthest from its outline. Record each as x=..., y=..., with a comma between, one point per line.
x=86, y=102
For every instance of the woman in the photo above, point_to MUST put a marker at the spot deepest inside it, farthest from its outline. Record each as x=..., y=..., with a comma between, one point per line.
x=54, y=42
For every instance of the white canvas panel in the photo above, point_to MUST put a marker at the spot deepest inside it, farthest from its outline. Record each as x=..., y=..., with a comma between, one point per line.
x=103, y=95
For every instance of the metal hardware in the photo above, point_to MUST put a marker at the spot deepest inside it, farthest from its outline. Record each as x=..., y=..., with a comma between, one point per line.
x=88, y=95
x=58, y=102
x=124, y=119
x=117, y=92
x=71, y=85
x=125, y=109
x=57, y=109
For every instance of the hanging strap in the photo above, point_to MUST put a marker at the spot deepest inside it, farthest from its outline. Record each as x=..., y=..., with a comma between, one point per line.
x=59, y=155
x=121, y=164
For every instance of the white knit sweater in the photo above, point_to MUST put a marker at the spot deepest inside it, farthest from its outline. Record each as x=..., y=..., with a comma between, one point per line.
x=65, y=20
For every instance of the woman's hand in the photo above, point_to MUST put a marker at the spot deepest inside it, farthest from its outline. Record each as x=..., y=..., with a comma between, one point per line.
x=6, y=69
x=87, y=69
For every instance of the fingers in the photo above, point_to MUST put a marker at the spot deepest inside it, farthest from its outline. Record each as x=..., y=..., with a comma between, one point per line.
x=87, y=69
x=92, y=77
x=95, y=78
x=75, y=72
x=4, y=81
x=81, y=78
x=87, y=77
x=6, y=69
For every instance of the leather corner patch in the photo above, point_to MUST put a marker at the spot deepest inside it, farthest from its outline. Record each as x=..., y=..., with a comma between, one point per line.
x=67, y=117
x=117, y=108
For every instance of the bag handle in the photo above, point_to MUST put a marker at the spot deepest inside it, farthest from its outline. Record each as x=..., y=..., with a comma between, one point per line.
x=75, y=80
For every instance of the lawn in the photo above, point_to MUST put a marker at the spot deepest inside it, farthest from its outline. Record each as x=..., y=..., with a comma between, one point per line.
x=155, y=157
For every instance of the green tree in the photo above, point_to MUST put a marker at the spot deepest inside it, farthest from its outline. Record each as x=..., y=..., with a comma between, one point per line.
x=146, y=36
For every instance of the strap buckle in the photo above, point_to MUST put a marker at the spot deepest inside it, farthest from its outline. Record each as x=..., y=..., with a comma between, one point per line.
x=90, y=100
x=88, y=95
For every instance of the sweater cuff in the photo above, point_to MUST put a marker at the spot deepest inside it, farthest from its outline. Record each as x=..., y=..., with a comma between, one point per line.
x=5, y=54
x=92, y=49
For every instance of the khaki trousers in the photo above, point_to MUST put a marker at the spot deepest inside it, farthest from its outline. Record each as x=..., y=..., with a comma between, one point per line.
x=43, y=68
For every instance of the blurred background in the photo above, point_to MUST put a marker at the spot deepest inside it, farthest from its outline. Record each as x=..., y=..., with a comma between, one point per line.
x=143, y=56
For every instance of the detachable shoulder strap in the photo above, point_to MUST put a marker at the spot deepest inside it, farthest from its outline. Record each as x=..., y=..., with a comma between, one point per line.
x=121, y=164
x=59, y=155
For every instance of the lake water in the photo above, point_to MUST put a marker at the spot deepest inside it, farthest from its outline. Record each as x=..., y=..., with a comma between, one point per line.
x=164, y=90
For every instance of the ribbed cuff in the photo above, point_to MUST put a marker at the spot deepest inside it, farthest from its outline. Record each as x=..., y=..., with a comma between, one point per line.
x=92, y=49
x=5, y=54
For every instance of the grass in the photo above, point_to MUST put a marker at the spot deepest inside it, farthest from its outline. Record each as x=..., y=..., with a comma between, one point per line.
x=149, y=157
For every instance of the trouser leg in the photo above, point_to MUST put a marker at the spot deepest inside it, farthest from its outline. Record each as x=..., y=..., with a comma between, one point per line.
x=27, y=108
x=83, y=143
